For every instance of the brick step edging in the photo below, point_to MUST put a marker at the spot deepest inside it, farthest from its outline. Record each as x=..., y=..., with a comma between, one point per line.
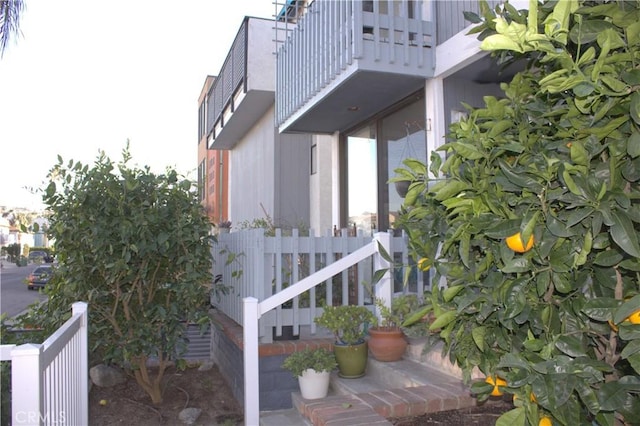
x=373, y=408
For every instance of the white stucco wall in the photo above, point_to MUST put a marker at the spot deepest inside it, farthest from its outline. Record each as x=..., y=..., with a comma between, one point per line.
x=321, y=187
x=251, y=173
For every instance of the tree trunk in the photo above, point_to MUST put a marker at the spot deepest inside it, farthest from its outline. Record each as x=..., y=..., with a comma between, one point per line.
x=151, y=385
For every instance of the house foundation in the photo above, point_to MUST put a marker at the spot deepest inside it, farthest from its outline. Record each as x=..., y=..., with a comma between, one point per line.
x=276, y=384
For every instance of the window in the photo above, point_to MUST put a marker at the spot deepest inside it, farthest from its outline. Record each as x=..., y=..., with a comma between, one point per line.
x=371, y=153
x=202, y=180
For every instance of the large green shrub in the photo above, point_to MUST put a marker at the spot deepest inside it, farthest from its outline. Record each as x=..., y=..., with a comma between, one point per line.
x=136, y=246
x=558, y=158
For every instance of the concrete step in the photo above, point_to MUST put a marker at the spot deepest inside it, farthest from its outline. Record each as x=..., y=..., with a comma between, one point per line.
x=290, y=417
x=391, y=375
x=415, y=385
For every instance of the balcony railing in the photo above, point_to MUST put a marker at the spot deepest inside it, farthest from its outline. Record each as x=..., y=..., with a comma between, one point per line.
x=334, y=39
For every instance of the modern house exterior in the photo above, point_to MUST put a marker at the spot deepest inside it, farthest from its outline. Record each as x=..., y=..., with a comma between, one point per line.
x=260, y=172
x=316, y=109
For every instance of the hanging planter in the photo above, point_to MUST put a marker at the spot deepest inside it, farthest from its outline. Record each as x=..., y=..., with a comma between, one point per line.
x=402, y=187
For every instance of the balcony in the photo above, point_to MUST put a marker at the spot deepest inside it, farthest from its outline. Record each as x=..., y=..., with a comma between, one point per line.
x=347, y=60
x=244, y=88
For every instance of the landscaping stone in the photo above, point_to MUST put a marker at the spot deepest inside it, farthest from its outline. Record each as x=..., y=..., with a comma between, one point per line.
x=189, y=415
x=105, y=376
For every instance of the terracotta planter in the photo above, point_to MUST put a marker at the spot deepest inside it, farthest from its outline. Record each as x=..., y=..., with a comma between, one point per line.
x=387, y=343
x=313, y=384
x=352, y=359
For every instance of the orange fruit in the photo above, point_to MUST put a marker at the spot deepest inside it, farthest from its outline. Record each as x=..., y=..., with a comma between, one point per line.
x=545, y=421
x=516, y=244
x=634, y=318
x=497, y=383
x=423, y=264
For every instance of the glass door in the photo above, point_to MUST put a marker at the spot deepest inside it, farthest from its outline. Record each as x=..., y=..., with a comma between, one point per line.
x=362, y=181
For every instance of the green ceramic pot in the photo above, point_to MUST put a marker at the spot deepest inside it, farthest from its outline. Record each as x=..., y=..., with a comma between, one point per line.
x=352, y=359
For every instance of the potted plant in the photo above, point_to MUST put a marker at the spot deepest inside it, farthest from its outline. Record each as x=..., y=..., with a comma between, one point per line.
x=347, y=323
x=313, y=368
x=387, y=340
x=224, y=227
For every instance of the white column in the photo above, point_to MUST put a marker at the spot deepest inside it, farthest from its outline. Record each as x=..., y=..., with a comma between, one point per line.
x=80, y=308
x=27, y=398
x=251, y=361
x=436, y=123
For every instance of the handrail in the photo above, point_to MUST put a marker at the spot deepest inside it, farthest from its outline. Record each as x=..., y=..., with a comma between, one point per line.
x=253, y=310
x=318, y=277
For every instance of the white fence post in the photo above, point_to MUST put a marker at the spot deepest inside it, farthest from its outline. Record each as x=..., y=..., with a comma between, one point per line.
x=27, y=394
x=251, y=361
x=80, y=308
x=383, y=289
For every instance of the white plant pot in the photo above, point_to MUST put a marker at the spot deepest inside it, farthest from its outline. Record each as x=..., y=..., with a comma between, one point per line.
x=314, y=385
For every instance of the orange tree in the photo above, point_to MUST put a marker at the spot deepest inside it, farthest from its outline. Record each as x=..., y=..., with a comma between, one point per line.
x=556, y=160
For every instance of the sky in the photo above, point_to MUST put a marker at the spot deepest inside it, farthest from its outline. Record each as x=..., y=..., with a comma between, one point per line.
x=88, y=75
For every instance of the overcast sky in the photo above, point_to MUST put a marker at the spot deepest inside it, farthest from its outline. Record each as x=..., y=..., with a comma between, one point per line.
x=87, y=75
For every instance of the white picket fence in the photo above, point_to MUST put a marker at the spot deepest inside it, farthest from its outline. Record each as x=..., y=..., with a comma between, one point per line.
x=49, y=381
x=259, y=266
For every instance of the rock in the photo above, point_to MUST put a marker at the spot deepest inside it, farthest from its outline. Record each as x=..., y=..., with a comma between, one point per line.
x=105, y=376
x=206, y=366
x=189, y=416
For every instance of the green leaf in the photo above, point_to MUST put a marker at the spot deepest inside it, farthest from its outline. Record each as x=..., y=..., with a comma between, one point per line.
x=612, y=395
x=450, y=292
x=624, y=234
x=571, y=346
x=634, y=360
x=627, y=308
x=633, y=144
x=516, y=265
x=588, y=397
x=467, y=150
x=500, y=42
x=515, y=417
x=450, y=189
x=471, y=17
x=503, y=229
x=631, y=348
x=443, y=320
x=579, y=155
x=559, y=229
x=478, y=334
x=634, y=108
x=600, y=309
x=607, y=258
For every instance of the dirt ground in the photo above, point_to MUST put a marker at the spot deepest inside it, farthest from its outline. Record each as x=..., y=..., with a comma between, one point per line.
x=482, y=415
x=127, y=404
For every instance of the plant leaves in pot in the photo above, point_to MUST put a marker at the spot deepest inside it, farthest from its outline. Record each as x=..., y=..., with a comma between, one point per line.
x=348, y=325
x=313, y=368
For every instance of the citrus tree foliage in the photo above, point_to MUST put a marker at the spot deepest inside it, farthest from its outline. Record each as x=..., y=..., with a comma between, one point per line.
x=134, y=245
x=558, y=158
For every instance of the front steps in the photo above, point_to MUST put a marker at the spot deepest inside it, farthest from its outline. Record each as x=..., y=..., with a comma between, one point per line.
x=415, y=385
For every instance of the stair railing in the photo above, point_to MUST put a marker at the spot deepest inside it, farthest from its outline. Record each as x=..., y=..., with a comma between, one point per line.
x=253, y=310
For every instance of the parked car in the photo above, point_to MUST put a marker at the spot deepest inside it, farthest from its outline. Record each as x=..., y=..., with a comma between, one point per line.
x=39, y=277
x=38, y=254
